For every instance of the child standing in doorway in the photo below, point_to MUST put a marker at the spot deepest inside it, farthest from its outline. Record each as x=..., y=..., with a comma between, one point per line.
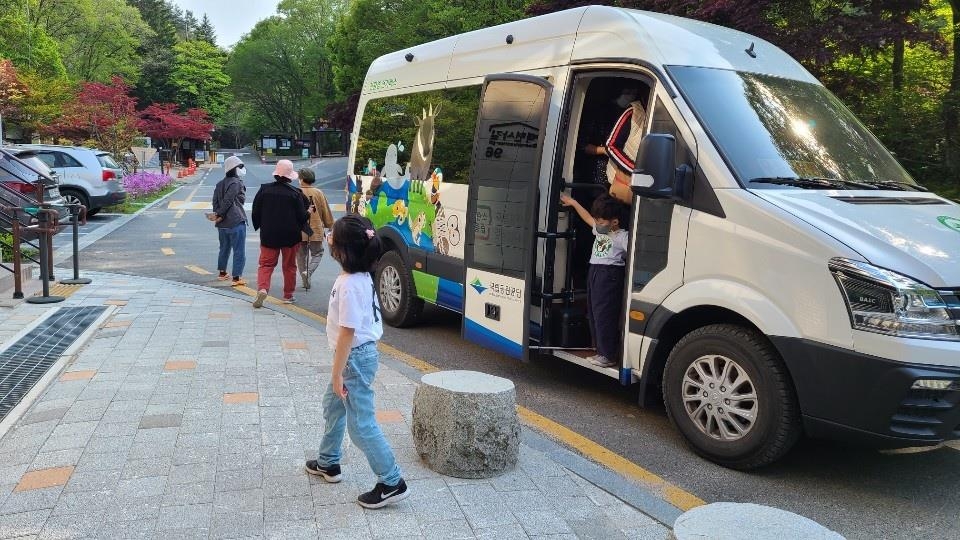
x=353, y=328
x=606, y=274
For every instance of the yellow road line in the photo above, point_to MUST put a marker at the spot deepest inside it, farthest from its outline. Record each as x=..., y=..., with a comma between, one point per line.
x=674, y=495
x=183, y=206
x=167, y=251
x=619, y=464
x=166, y=235
x=179, y=214
x=197, y=270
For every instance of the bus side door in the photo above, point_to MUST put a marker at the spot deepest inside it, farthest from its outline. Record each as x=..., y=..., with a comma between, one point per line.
x=500, y=244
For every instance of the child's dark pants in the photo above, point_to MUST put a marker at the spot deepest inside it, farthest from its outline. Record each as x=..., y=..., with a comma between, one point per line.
x=605, y=296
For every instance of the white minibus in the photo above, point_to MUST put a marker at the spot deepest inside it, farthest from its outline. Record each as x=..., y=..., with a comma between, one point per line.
x=785, y=275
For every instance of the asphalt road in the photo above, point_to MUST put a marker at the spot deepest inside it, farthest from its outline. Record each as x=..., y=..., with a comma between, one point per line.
x=859, y=493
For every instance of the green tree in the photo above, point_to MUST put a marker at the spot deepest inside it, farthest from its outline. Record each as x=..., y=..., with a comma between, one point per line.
x=156, y=52
x=270, y=71
x=98, y=38
x=359, y=37
x=29, y=47
x=43, y=104
x=199, y=78
x=205, y=31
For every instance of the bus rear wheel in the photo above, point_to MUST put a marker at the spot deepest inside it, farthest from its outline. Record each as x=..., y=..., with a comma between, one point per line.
x=727, y=391
x=399, y=303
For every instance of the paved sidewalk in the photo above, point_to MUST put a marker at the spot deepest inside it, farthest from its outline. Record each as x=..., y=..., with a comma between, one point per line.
x=189, y=415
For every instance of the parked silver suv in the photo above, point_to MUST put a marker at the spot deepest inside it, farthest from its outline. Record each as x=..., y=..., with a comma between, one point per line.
x=87, y=176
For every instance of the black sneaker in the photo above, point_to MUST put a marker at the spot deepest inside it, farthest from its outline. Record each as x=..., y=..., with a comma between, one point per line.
x=330, y=474
x=382, y=495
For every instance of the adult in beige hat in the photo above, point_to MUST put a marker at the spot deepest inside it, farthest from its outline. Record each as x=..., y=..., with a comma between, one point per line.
x=280, y=212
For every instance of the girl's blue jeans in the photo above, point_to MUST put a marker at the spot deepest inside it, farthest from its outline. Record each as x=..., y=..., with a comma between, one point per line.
x=233, y=239
x=356, y=413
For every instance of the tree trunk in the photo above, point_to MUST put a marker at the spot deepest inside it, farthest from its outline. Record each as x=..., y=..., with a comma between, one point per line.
x=951, y=103
x=898, y=52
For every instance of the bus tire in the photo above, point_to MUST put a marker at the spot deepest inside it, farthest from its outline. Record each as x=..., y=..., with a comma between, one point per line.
x=728, y=392
x=399, y=303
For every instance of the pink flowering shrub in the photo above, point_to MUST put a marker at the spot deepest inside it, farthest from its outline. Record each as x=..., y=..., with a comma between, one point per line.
x=145, y=182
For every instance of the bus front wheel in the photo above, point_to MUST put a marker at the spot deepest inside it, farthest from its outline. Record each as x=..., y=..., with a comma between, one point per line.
x=727, y=391
x=399, y=303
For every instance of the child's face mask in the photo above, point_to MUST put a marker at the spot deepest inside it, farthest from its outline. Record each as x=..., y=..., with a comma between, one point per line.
x=604, y=226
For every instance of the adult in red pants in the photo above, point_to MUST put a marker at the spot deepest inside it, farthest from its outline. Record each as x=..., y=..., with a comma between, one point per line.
x=280, y=212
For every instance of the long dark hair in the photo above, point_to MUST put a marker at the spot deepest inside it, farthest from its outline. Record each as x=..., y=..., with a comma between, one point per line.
x=355, y=244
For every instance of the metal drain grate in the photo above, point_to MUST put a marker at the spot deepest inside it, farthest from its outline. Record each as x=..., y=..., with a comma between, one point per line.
x=25, y=361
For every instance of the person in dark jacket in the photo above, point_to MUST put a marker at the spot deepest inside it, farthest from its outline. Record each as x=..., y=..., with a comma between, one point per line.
x=279, y=213
x=231, y=219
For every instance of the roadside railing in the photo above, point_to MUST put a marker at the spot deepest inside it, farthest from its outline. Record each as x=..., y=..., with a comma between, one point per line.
x=31, y=225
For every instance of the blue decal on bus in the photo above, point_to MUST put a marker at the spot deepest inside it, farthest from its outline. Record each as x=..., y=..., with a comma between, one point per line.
x=487, y=338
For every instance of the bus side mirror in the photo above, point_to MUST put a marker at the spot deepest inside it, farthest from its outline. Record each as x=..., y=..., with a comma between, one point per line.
x=655, y=167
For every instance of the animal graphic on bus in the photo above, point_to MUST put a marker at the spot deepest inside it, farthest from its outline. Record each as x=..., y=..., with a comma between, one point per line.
x=408, y=192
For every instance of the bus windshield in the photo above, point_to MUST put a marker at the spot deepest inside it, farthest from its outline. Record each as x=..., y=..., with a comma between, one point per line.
x=783, y=133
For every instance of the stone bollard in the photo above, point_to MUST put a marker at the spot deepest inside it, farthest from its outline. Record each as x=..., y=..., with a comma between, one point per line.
x=740, y=521
x=465, y=424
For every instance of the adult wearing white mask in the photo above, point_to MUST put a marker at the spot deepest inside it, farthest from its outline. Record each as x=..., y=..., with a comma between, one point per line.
x=231, y=219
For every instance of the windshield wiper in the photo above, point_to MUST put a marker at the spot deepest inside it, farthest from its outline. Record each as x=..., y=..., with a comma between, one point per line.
x=812, y=182
x=895, y=184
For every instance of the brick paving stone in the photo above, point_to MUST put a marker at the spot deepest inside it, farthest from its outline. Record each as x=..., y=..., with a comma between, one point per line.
x=286, y=486
x=161, y=421
x=339, y=516
x=542, y=522
x=457, y=529
x=383, y=525
x=139, y=509
x=83, y=502
x=288, y=509
x=502, y=532
x=250, y=500
x=494, y=515
x=188, y=494
x=433, y=510
x=93, y=480
x=44, y=415
x=23, y=524
x=29, y=501
x=293, y=530
x=44, y=478
x=71, y=526
x=137, y=487
x=193, y=516
x=129, y=530
x=650, y=532
x=350, y=533
x=236, y=525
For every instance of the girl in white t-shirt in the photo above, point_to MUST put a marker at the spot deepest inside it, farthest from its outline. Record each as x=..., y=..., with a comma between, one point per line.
x=353, y=329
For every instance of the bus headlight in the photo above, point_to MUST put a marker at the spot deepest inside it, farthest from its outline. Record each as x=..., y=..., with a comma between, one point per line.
x=885, y=302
